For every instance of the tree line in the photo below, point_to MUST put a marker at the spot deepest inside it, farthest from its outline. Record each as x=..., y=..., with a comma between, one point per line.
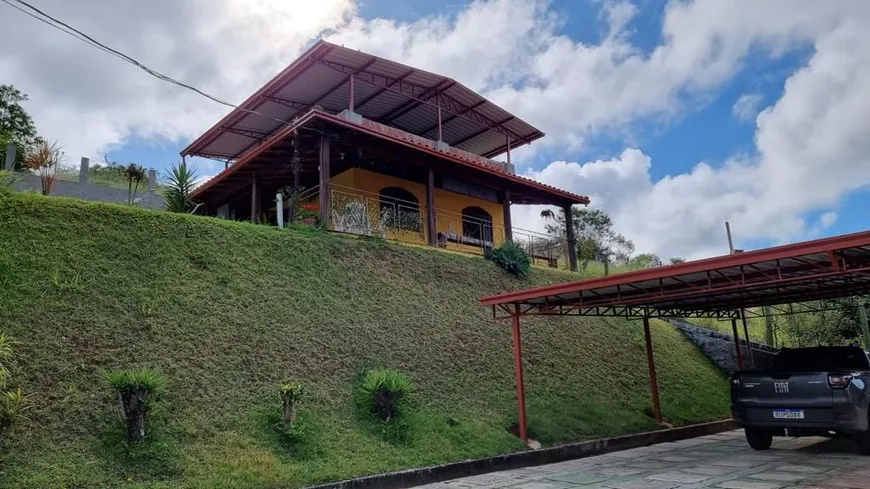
x=598, y=241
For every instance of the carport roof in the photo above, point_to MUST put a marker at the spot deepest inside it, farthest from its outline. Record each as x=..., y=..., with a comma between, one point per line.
x=829, y=268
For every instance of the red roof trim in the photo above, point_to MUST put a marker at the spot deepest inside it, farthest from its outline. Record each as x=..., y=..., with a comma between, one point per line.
x=410, y=142
x=250, y=103
x=254, y=153
x=717, y=263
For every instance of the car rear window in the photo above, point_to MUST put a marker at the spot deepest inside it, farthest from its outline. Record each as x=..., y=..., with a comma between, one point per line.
x=821, y=359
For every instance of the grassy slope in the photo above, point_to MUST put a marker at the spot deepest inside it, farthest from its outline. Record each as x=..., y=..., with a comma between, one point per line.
x=227, y=310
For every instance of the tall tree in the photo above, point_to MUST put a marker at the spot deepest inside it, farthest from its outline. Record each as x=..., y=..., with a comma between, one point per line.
x=16, y=126
x=645, y=260
x=596, y=239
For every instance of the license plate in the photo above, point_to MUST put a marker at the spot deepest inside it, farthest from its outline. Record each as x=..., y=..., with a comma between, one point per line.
x=788, y=414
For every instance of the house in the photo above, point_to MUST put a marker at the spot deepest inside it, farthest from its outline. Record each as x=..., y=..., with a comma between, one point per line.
x=378, y=148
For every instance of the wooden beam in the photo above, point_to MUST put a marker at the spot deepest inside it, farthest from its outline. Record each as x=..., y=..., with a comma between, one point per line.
x=569, y=233
x=325, y=210
x=508, y=225
x=255, y=199
x=431, y=227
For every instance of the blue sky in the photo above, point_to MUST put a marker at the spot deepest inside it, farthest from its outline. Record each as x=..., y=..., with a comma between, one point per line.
x=645, y=107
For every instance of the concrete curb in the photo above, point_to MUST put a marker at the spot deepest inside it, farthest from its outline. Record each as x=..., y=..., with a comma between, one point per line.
x=529, y=458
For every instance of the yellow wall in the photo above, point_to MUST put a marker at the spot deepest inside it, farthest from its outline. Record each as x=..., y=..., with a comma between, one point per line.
x=448, y=205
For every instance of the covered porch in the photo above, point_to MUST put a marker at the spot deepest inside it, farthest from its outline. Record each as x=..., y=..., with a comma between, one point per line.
x=365, y=178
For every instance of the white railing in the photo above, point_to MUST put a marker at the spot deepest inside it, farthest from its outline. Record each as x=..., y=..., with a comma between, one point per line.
x=363, y=213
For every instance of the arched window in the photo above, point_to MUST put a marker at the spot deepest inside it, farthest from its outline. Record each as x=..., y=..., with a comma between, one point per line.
x=477, y=225
x=392, y=196
x=400, y=209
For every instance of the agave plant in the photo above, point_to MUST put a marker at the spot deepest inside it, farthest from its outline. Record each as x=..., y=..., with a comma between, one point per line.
x=13, y=405
x=179, y=186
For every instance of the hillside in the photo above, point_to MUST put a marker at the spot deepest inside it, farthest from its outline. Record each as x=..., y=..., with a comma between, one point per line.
x=228, y=310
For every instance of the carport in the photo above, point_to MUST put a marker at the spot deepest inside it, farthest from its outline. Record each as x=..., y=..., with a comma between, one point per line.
x=723, y=287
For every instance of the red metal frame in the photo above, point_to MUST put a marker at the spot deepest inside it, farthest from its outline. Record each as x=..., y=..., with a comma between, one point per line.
x=770, y=256
x=422, y=95
x=417, y=94
x=518, y=373
x=651, y=366
x=750, y=276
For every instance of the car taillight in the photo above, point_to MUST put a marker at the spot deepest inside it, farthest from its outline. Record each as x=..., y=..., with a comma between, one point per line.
x=839, y=381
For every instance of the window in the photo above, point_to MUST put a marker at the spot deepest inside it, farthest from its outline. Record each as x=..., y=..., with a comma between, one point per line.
x=400, y=209
x=477, y=226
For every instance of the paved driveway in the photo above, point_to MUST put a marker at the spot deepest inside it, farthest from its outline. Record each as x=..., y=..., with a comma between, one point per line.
x=718, y=461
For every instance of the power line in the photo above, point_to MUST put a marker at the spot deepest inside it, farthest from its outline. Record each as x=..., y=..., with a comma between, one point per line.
x=81, y=36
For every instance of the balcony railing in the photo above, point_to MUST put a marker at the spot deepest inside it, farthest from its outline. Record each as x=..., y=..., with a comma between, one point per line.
x=363, y=213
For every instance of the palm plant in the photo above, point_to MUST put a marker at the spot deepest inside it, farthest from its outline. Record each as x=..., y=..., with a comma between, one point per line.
x=179, y=187
x=135, y=174
x=44, y=159
x=136, y=389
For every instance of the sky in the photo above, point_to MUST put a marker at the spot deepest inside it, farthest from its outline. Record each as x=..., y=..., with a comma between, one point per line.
x=673, y=116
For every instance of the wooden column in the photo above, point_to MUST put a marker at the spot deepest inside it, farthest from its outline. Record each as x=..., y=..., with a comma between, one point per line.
x=508, y=225
x=255, y=199
x=325, y=194
x=569, y=234
x=431, y=228
x=651, y=365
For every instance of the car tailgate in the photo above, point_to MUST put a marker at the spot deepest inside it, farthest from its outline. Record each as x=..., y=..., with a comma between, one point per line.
x=762, y=393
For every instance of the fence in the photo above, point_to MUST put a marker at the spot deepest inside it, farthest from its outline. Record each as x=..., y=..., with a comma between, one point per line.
x=358, y=212
x=82, y=187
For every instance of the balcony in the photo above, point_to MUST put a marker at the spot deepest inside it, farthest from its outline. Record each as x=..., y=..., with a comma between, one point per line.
x=357, y=212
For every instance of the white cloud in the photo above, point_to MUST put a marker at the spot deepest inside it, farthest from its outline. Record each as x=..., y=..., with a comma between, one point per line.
x=811, y=146
x=89, y=101
x=747, y=106
x=811, y=151
x=828, y=219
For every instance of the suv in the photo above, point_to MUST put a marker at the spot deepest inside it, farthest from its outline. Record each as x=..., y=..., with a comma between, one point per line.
x=820, y=391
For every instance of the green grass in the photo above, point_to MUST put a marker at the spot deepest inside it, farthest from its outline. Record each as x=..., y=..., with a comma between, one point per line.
x=226, y=311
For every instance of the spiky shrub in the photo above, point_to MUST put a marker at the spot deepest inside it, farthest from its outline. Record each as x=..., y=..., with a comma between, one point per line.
x=13, y=404
x=6, y=354
x=136, y=390
x=179, y=186
x=512, y=257
x=44, y=159
x=384, y=393
x=291, y=394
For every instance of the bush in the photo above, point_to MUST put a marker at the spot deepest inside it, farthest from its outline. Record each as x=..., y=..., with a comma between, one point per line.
x=136, y=389
x=13, y=403
x=384, y=393
x=6, y=182
x=512, y=257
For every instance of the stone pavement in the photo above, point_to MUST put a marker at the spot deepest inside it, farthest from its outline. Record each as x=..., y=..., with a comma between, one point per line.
x=721, y=461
